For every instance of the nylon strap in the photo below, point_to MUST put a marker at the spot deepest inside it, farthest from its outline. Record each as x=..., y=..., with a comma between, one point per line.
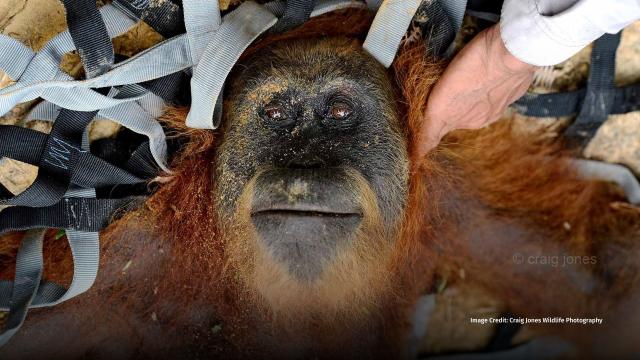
x=278, y=7
x=167, y=87
x=143, y=162
x=29, y=267
x=68, y=213
x=82, y=214
x=433, y=19
x=43, y=72
x=593, y=104
x=455, y=9
x=238, y=30
x=600, y=92
x=60, y=155
x=164, y=17
x=202, y=20
x=24, y=145
x=19, y=57
x=384, y=37
x=88, y=215
x=325, y=6
x=42, y=78
x=598, y=170
x=139, y=116
x=90, y=35
x=58, y=159
x=295, y=14
x=57, y=162
x=625, y=100
x=46, y=290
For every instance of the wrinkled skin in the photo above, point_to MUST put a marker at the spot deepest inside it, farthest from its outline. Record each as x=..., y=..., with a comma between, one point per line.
x=475, y=89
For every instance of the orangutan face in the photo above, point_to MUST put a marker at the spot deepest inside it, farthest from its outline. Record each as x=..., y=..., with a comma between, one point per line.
x=312, y=172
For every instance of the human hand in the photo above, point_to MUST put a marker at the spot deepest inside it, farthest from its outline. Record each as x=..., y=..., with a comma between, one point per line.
x=475, y=89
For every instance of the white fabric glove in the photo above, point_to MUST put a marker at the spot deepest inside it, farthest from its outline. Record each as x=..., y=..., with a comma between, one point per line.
x=547, y=32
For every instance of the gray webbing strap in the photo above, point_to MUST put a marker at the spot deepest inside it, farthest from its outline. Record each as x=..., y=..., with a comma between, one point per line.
x=78, y=95
x=174, y=55
x=140, y=120
x=238, y=30
x=85, y=252
x=455, y=9
x=97, y=57
x=19, y=57
x=277, y=7
x=46, y=290
x=388, y=28
x=200, y=17
x=325, y=6
x=29, y=267
x=85, y=248
x=116, y=24
x=598, y=170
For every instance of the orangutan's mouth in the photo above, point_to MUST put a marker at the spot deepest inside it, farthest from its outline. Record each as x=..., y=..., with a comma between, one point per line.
x=302, y=216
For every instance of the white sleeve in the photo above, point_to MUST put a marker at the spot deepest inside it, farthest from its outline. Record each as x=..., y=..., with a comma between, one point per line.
x=547, y=32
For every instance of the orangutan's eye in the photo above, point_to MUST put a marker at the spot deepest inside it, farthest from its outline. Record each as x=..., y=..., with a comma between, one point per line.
x=275, y=112
x=340, y=110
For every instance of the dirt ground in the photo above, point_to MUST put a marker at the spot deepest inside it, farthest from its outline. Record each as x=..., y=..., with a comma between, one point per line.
x=34, y=22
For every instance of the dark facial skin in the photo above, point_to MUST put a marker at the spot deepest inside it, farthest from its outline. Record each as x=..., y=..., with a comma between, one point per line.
x=309, y=119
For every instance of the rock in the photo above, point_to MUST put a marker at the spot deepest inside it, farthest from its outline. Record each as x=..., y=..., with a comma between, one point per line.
x=449, y=326
x=618, y=141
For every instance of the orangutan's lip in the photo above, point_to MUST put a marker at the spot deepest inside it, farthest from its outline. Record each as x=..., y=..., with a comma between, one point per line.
x=303, y=209
x=305, y=192
x=306, y=213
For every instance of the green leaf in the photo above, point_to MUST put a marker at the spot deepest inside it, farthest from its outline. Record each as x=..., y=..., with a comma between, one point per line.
x=59, y=234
